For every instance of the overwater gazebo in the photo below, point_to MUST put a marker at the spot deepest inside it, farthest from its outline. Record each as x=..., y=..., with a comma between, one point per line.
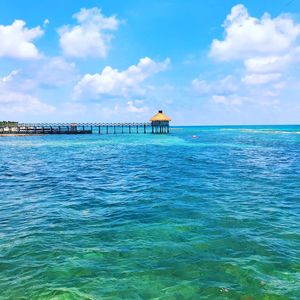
x=160, y=123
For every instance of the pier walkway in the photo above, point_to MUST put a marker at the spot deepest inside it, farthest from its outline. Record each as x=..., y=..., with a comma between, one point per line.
x=77, y=128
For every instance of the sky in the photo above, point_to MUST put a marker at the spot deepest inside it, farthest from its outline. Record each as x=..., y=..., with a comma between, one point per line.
x=213, y=62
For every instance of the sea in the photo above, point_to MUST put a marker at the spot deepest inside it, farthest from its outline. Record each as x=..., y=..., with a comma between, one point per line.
x=200, y=213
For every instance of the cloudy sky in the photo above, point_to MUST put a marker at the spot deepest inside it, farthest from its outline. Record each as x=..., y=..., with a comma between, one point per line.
x=203, y=62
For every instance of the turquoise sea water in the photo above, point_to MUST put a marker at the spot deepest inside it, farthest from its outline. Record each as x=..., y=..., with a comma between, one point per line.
x=214, y=216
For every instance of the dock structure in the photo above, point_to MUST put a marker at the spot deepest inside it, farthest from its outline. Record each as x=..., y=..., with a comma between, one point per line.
x=76, y=128
x=158, y=124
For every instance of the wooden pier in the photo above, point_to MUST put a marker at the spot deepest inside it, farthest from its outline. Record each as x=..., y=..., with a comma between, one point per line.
x=78, y=128
x=159, y=124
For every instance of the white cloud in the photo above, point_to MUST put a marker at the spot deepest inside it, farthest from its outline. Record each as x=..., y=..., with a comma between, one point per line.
x=55, y=72
x=91, y=37
x=45, y=73
x=46, y=22
x=227, y=85
x=267, y=47
x=255, y=89
x=261, y=78
x=10, y=76
x=227, y=100
x=136, y=106
x=20, y=91
x=108, y=112
x=16, y=41
x=113, y=82
x=267, y=64
x=18, y=102
x=14, y=100
x=246, y=36
x=265, y=51
x=71, y=108
x=224, y=91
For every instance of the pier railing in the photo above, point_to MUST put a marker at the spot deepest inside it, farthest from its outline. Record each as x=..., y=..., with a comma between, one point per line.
x=82, y=124
x=76, y=128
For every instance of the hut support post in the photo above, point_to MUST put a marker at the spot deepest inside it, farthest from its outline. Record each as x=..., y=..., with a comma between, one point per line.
x=160, y=123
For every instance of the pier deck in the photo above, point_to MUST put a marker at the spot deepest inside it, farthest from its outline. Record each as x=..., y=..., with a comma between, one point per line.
x=78, y=128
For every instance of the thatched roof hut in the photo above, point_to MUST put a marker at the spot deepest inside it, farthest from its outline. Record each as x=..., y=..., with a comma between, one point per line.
x=160, y=123
x=160, y=117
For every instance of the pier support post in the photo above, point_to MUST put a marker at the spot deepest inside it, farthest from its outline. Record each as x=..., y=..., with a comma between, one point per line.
x=65, y=128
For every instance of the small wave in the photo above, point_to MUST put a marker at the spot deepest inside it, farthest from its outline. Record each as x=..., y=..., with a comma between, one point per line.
x=270, y=131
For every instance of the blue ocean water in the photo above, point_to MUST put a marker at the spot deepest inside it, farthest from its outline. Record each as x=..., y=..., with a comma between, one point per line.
x=201, y=213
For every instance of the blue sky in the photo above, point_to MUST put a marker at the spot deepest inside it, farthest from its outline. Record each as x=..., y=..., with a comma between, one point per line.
x=202, y=62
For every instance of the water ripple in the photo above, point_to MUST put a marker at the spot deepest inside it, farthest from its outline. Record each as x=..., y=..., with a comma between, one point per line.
x=152, y=217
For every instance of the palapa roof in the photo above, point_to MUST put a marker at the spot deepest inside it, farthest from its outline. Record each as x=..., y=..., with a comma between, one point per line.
x=160, y=116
